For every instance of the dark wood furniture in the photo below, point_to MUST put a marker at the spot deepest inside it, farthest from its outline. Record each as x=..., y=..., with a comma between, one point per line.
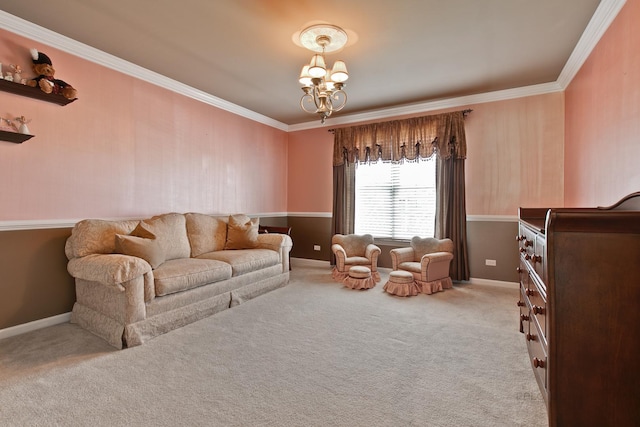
x=580, y=310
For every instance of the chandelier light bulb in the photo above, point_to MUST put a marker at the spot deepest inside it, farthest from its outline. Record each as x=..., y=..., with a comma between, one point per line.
x=339, y=72
x=317, y=67
x=305, y=77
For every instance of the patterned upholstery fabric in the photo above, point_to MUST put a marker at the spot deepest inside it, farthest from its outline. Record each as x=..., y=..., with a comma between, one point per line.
x=428, y=259
x=354, y=249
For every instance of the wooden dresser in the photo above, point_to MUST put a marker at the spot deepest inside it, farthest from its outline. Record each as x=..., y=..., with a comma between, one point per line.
x=580, y=310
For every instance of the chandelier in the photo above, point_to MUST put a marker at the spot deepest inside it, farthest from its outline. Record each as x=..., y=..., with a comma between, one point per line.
x=323, y=87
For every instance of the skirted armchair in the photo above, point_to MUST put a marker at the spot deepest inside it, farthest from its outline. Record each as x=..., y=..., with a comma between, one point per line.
x=354, y=249
x=428, y=260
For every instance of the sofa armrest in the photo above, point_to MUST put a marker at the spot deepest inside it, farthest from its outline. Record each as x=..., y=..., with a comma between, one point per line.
x=280, y=243
x=111, y=269
x=400, y=255
x=275, y=242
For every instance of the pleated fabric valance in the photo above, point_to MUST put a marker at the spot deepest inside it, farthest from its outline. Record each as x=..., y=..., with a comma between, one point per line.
x=408, y=139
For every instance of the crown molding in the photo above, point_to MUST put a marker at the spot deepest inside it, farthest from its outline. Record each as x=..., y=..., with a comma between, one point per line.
x=34, y=32
x=600, y=21
x=385, y=113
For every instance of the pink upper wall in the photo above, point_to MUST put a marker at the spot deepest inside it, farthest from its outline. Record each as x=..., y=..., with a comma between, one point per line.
x=127, y=148
x=515, y=158
x=310, y=171
x=602, y=142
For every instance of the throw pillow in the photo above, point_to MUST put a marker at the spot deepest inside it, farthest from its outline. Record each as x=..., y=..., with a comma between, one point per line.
x=242, y=232
x=171, y=230
x=148, y=247
x=206, y=233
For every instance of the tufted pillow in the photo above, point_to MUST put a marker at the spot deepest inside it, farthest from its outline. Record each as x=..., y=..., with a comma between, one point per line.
x=206, y=233
x=146, y=246
x=242, y=232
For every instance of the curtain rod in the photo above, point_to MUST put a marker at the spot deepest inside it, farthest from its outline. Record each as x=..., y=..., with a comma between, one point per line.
x=465, y=113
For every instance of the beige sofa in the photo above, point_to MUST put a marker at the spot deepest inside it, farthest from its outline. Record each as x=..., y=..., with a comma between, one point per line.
x=138, y=279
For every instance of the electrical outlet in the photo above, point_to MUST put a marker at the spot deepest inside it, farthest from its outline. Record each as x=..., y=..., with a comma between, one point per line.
x=316, y=247
x=490, y=262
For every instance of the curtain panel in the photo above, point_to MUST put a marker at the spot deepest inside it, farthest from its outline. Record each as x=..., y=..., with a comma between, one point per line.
x=407, y=139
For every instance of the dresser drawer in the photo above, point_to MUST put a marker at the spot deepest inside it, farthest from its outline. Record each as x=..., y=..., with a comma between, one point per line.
x=538, y=358
x=537, y=301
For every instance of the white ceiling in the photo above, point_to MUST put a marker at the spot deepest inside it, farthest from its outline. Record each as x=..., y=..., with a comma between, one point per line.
x=406, y=52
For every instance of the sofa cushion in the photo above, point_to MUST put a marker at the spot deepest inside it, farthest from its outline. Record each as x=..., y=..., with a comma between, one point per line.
x=171, y=231
x=412, y=266
x=245, y=260
x=242, y=232
x=186, y=273
x=206, y=233
x=96, y=236
x=149, y=249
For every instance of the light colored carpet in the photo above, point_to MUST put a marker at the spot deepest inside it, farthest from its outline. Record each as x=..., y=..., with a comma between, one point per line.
x=310, y=354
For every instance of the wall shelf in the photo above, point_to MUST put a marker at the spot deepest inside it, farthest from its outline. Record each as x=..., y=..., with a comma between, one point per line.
x=16, y=137
x=33, y=92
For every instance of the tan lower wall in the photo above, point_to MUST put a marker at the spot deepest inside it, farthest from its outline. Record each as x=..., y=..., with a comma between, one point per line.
x=34, y=282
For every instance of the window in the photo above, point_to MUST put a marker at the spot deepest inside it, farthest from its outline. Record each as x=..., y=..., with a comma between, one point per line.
x=396, y=200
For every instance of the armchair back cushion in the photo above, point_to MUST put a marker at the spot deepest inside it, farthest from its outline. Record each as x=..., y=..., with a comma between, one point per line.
x=429, y=245
x=353, y=244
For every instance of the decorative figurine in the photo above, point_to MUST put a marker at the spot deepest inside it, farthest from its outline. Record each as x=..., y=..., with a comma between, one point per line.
x=17, y=73
x=23, y=124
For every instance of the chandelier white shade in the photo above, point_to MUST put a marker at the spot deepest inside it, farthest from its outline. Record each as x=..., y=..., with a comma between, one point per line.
x=323, y=87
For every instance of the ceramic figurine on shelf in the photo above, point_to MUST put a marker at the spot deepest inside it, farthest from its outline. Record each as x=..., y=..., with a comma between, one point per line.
x=7, y=125
x=23, y=124
x=17, y=73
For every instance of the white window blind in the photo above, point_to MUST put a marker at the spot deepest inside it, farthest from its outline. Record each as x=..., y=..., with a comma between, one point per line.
x=396, y=200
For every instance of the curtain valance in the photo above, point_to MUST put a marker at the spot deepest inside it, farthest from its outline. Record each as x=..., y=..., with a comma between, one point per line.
x=417, y=137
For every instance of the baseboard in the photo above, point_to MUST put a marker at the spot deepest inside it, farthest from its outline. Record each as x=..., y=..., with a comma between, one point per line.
x=35, y=325
x=489, y=282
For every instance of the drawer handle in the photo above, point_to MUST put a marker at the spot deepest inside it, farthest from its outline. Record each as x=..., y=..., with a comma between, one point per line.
x=528, y=243
x=538, y=310
x=527, y=257
x=536, y=258
x=519, y=269
x=531, y=337
x=523, y=318
x=530, y=292
x=538, y=363
x=523, y=250
x=520, y=238
x=520, y=304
